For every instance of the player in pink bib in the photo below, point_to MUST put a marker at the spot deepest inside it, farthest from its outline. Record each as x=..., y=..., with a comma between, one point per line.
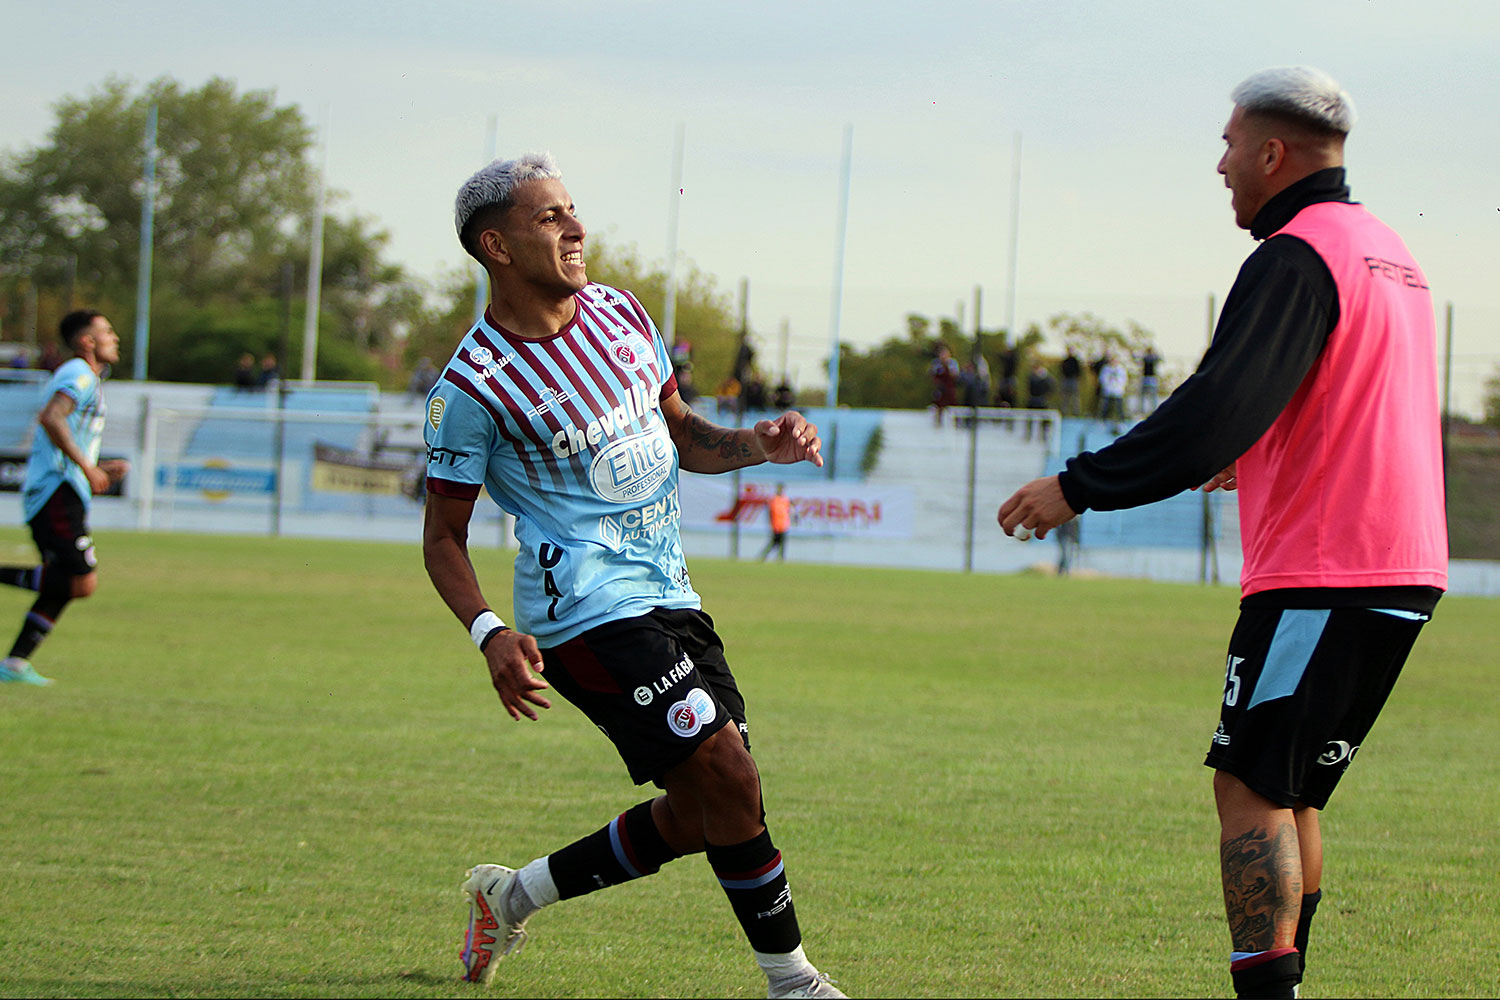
x=1318, y=401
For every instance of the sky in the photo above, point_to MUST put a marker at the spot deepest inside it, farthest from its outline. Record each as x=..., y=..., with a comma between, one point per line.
x=1119, y=108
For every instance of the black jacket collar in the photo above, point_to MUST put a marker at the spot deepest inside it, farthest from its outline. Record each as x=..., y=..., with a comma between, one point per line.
x=1322, y=185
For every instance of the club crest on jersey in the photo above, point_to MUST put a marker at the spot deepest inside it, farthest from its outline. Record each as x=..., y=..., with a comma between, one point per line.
x=688, y=716
x=631, y=353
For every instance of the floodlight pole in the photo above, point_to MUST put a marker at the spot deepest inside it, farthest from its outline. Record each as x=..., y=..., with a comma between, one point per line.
x=674, y=204
x=1208, y=550
x=1015, y=241
x=143, y=274
x=482, y=281
x=840, y=239
x=315, y=267
x=973, y=443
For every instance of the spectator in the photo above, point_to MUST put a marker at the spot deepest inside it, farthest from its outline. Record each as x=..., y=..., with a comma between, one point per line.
x=244, y=372
x=270, y=372
x=1071, y=370
x=1149, y=396
x=1010, y=364
x=1039, y=387
x=1097, y=367
x=944, y=372
x=423, y=378
x=1112, y=381
x=755, y=393
x=784, y=397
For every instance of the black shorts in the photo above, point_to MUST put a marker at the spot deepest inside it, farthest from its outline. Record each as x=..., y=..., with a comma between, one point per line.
x=657, y=685
x=62, y=535
x=1302, y=687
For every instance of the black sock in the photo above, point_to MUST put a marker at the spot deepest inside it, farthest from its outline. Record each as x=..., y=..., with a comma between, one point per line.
x=629, y=847
x=25, y=577
x=38, y=624
x=755, y=882
x=1304, y=923
x=1271, y=975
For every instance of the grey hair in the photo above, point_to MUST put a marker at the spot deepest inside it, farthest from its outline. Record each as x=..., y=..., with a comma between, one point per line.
x=1308, y=95
x=495, y=184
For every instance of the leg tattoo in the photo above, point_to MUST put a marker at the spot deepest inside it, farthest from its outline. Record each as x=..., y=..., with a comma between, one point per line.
x=1262, y=886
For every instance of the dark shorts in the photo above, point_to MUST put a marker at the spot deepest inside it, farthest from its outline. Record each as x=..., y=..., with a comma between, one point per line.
x=657, y=685
x=1302, y=687
x=62, y=535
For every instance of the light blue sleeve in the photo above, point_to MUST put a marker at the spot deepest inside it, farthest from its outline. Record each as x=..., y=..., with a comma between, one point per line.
x=76, y=380
x=461, y=436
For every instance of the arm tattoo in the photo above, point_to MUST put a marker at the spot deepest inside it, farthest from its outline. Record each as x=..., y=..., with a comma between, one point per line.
x=722, y=441
x=1262, y=871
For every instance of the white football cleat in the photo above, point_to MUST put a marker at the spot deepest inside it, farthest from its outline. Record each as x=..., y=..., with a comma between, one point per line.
x=486, y=887
x=819, y=986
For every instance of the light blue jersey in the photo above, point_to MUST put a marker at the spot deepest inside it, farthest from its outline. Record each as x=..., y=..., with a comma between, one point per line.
x=567, y=434
x=48, y=467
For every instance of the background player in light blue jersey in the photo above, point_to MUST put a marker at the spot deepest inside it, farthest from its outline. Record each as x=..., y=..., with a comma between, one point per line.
x=561, y=402
x=62, y=477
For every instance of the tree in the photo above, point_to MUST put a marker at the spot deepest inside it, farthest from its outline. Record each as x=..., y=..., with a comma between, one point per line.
x=1492, y=399
x=1089, y=337
x=233, y=204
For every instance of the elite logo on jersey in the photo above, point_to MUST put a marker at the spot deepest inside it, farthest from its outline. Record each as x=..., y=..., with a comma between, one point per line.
x=631, y=468
x=691, y=714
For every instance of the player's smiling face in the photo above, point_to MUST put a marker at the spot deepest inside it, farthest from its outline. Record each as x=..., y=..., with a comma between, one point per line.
x=544, y=237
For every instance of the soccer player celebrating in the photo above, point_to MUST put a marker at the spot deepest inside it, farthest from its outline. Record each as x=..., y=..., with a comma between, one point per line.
x=561, y=402
x=1317, y=400
x=62, y=476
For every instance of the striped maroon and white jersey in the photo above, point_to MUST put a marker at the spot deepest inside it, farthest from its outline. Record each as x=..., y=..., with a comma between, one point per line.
x=567, y=434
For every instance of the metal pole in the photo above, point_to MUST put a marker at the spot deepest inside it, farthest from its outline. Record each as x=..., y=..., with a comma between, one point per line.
x=973, y=500
x=143, y=273
x=734, y=522
x=786, y=334
x=840, y=239
x=281, y=389
x=315, y=269
x=674, y=204
x=147, y=481
x=1015, y=240
x=482, y=278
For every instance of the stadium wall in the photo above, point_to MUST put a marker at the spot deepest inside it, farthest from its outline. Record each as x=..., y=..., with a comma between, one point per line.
x=900, y=489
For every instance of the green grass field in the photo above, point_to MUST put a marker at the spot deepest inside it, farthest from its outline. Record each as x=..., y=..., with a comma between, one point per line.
x=266, y=765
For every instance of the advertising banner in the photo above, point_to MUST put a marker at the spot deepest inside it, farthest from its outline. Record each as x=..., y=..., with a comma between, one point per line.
x=818, y=508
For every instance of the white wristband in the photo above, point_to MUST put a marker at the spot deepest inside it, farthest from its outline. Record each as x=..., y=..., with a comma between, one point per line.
x=483, y=625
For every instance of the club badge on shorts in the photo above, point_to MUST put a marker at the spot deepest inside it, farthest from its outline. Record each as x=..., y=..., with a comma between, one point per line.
x=691, y=714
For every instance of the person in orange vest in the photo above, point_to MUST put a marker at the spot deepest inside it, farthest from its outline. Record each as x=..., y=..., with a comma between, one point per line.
x=780, y=509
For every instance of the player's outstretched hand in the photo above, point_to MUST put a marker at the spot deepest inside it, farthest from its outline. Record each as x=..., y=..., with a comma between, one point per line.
x=1038, y=506
x=512, y=657
x=790, y=438
x=1223, y=481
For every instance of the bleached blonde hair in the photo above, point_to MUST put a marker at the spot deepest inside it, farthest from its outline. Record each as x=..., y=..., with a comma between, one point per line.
x=493, y=187
x=1306, y=95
